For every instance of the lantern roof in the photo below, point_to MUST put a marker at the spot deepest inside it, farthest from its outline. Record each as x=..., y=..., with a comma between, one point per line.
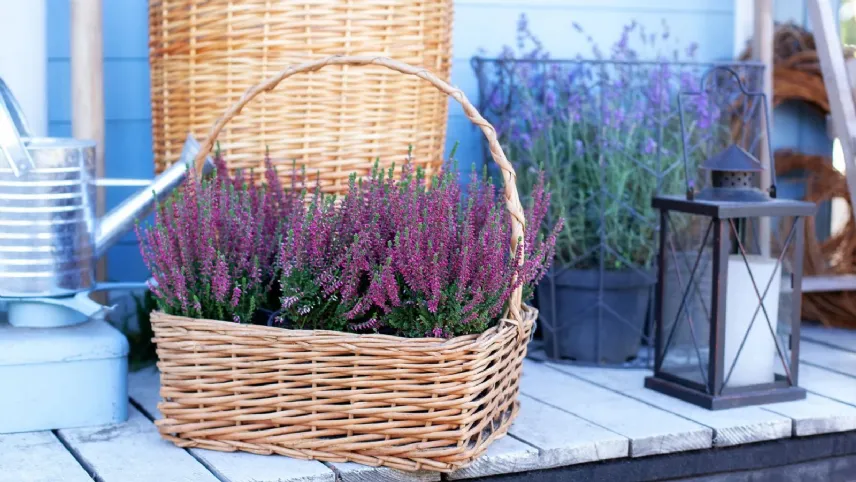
x=735, y=159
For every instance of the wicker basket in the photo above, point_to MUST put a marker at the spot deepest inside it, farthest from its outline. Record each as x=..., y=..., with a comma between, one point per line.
x=410, y=404
x=205, y=54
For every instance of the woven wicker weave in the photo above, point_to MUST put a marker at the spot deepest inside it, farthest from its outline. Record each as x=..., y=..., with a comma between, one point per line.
x=205, y=54
x=410, y=404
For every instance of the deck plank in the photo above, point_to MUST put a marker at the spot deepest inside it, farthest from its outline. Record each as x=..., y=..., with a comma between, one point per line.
x=578, y=441
x=651, y=430
x=533, y=445
x=505, y=456
x=816, y=415
x=836, y=337
x=247, y=467
x=735, y=426
x=828, y=384
x=133, y=451
x=38, y=457
x=843, y=362
x=352, y=472
x=144, y=389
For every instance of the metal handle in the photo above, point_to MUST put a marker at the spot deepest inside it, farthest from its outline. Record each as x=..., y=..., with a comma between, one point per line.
x=13, y=126
x=121, y=182
x=120, y=219
x=15, y=110
x=121, y=285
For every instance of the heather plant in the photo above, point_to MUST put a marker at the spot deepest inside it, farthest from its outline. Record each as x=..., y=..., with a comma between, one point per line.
x=607, y=134
x=397, y=254
x=214, y=242
x=401, y=255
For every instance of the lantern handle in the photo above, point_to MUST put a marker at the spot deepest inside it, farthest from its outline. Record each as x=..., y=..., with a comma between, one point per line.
x=743, y=90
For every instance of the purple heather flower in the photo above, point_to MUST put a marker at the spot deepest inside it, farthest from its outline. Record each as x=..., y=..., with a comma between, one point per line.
x=236, y=296
x=404, y=255
x=220, y=281
x=211, y=239
x=289, y=301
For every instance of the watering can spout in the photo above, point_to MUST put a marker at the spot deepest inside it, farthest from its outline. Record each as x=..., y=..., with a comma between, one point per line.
x=113, y=225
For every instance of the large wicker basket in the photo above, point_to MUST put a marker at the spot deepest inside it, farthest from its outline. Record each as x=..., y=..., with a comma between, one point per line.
x=205, y=54
x=410, y=404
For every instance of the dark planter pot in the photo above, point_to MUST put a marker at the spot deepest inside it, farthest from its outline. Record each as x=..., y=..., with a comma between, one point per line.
x=574, y=332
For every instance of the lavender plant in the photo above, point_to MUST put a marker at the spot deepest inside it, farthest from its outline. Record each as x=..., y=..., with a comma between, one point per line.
x=606, y=132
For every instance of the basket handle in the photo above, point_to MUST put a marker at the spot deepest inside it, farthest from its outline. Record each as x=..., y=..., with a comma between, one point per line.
x=512, y=199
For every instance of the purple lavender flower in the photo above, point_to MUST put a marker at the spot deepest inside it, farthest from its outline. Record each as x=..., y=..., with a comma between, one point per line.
x=691, y=50
x=526, y=141
x=650, y=146
x=591, y=124
x=550, y=100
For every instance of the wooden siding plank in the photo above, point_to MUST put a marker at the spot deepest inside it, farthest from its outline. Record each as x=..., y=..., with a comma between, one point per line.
x=553, y=25
x=651, y=430
x=700, y=7
x=38, y=457
x=127, y=93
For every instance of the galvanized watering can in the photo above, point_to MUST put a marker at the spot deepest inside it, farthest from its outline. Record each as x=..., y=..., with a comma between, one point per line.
x=50, y=237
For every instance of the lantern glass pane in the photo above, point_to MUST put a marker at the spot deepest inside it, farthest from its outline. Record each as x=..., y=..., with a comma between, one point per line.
x=784, y=242
x=686, y=303
x=756, y=345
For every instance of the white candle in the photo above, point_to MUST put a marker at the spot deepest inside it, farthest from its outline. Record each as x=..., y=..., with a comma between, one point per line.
x=756, y=361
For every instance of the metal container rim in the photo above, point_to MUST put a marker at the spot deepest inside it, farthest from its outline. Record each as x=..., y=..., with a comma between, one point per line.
x=57, y=142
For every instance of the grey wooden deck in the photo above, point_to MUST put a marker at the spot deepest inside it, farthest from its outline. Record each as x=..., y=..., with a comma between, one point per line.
x=570, y=416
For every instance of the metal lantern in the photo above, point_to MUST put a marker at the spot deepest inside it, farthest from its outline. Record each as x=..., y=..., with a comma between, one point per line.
x=727, y=311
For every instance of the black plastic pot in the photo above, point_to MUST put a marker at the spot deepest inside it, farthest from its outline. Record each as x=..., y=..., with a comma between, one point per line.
x=573, y=330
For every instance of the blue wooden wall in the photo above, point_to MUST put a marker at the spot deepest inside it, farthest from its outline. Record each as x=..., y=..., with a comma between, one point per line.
x=487, y=24
x=128, y=136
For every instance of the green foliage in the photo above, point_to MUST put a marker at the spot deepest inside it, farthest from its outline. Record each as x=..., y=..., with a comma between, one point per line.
x=414, y=319
x=142, y=351
x=306, y=306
